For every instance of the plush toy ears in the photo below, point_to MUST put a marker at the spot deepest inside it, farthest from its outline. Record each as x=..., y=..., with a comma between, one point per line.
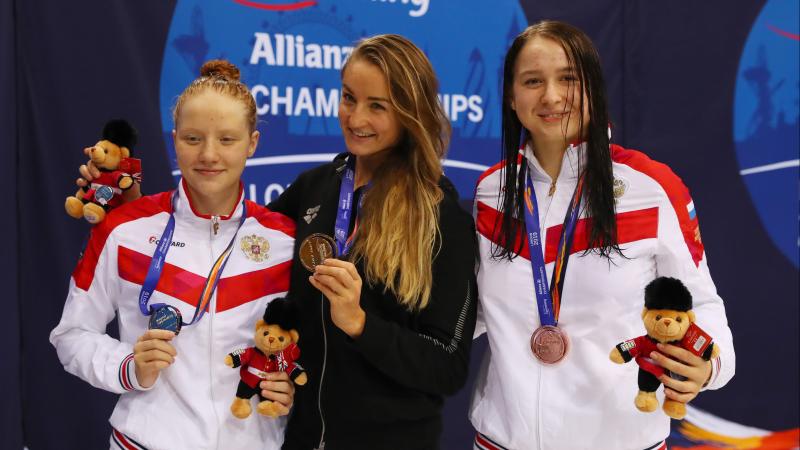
x=295, y=335
x=125, y=152
x=121, y=133
x=260, y=323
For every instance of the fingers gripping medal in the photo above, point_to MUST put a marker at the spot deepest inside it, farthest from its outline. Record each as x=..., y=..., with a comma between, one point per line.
x=316, y=248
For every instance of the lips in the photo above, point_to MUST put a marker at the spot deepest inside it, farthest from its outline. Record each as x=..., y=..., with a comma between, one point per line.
x=553, y=117
x=361, y=134
x=209, y=172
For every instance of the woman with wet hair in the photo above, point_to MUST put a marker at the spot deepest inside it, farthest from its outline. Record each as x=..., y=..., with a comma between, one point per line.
x=563, y=194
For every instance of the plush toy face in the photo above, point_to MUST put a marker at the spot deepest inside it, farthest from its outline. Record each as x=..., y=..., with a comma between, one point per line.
x=107, y=155
x=272, y=338
x=666, y=325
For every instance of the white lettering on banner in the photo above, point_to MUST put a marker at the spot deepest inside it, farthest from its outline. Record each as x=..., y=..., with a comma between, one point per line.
x=271, y=192
x=421, y=4
x=288, y=50
x=455, y=104
x=318, y=102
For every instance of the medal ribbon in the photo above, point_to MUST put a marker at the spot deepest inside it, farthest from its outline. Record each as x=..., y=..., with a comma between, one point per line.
x=157, y=266
x=345, y=208
x=548, y=298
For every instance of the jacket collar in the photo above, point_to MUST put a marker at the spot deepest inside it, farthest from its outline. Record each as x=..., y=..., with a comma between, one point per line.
x=185, y=210
x=573, y=162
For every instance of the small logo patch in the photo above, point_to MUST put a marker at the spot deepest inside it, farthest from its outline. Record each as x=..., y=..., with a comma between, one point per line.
x=311, y=213
x=620, y=186
x=255, y=248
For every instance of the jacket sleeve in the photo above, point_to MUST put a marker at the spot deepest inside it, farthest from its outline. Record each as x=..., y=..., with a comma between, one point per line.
x=680, y=254
x=433, y=357
x=80, y=338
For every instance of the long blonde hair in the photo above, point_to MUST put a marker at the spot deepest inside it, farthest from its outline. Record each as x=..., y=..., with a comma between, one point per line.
x=399, y=222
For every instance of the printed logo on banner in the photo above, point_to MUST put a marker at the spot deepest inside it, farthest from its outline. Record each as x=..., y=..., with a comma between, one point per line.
x=766, y=121
x=291, y=55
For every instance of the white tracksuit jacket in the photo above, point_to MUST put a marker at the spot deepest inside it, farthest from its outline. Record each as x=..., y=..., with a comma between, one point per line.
x=587, y=401
x=188, y=406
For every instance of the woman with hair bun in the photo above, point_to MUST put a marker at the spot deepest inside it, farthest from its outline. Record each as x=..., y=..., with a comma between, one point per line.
x=386, y=327
x=180, y=254
x=564, y=194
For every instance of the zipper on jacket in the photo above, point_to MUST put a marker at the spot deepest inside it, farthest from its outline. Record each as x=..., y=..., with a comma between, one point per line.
x=552, y=189
x=215, y=224
x=211, y=314
x=322, y=374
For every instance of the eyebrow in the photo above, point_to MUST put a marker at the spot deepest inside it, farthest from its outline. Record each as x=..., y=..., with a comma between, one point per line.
x=380, y=99
x=537, y=71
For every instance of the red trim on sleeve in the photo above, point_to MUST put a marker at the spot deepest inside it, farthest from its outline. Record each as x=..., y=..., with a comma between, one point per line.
x=677, y=193
x=270, y=219
x=144, y=207
x=631, y=226
x=495, y=168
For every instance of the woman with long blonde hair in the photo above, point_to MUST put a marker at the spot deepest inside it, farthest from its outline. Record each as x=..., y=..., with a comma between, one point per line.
x=393, y=337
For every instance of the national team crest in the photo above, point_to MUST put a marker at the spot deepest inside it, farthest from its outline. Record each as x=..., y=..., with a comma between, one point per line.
x=255, y=248
x=620, y=186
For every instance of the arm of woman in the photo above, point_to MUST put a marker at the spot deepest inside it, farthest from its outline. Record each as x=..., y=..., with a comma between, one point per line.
x=681, y=255
x=434, y=356
x=80, y=338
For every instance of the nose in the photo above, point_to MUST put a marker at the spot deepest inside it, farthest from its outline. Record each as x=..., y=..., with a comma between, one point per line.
x=209, y=152
x=271, y=339
x=357, y=117
x=553, y=94
x=667, y=322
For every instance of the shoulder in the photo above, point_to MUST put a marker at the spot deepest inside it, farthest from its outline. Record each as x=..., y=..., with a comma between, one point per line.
x=490, y=180
x=270, y=219
x=662, y=175
x=323, y=172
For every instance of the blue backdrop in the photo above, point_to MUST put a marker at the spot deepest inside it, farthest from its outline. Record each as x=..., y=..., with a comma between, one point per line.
x=710, y=88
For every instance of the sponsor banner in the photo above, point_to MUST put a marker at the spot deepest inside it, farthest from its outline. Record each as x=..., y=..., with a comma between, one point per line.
x=291, y=54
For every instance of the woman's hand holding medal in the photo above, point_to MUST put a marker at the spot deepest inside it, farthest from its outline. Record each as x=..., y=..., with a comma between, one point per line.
x=679, y=361
x=340, y=282
x=153, y=353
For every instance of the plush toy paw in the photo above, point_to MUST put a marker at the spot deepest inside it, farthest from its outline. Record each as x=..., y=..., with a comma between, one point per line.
x=715, y=351
x=268, y=408
x=93, y=213
x=301, y=379
x=646, y=401
x=676, y=410
x=125, y=182
x=616, y=356
x=240, y=408
x=74, y=207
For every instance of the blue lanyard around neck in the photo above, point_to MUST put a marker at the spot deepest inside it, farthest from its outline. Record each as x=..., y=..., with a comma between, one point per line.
x=345, y=208
x=158, y=262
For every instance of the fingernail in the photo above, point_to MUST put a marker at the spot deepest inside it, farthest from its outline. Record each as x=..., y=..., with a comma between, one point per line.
x=654, y=355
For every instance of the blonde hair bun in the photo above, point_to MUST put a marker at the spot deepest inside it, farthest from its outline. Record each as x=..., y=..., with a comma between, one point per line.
x=220, y=68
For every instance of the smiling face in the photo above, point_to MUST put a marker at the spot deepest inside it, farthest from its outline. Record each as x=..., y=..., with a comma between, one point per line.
x=212, y=142
x=546, y=94
x=369, y=123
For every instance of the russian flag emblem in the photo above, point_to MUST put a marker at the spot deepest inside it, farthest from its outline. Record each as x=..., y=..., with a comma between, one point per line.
x=690, y=209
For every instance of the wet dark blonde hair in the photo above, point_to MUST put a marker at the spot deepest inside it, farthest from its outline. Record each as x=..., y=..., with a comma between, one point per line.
x=399, y=223
x=223, y=77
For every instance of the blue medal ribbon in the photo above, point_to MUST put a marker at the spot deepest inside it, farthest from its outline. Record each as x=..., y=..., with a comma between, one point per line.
x=345, y=208
x=548, y=295
x=157, y=266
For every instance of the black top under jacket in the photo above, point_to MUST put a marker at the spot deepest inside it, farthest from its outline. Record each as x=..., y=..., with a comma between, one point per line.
x=385, y=389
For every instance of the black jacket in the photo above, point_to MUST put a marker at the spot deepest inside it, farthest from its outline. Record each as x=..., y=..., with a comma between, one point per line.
x=385, y=389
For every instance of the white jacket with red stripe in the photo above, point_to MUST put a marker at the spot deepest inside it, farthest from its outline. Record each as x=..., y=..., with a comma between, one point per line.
x=188, y=406
x=586, y=401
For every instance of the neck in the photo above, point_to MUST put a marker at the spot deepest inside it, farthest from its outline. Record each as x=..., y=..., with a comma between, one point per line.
x=221, y=204
x=550, y=156
x=366, y=167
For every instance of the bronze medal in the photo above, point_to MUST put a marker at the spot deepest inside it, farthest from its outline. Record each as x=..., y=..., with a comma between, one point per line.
x=549, y=344
x=315, y=248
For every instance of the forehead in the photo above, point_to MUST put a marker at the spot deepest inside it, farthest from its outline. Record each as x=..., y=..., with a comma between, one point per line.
x=364, y=77
x=210, y=106
x=542, y=54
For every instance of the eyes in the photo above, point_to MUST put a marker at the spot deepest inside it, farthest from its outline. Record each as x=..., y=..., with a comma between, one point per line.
x=196, y=139
x=280, y=338
x=537, y=81
x=349, y=100
x=678, y=319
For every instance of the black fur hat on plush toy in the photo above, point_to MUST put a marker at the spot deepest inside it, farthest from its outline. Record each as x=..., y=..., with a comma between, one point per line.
x=667, y=293
x=282, y=312
x=121, y=133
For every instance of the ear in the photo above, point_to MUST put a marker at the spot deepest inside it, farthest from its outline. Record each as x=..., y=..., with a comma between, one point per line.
x=512, y=104
x=295, y=335
x=174, y=136
x=644, y=313
x=254, y=136
x=125, y=152
x=260, y=323
x=691, y=315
